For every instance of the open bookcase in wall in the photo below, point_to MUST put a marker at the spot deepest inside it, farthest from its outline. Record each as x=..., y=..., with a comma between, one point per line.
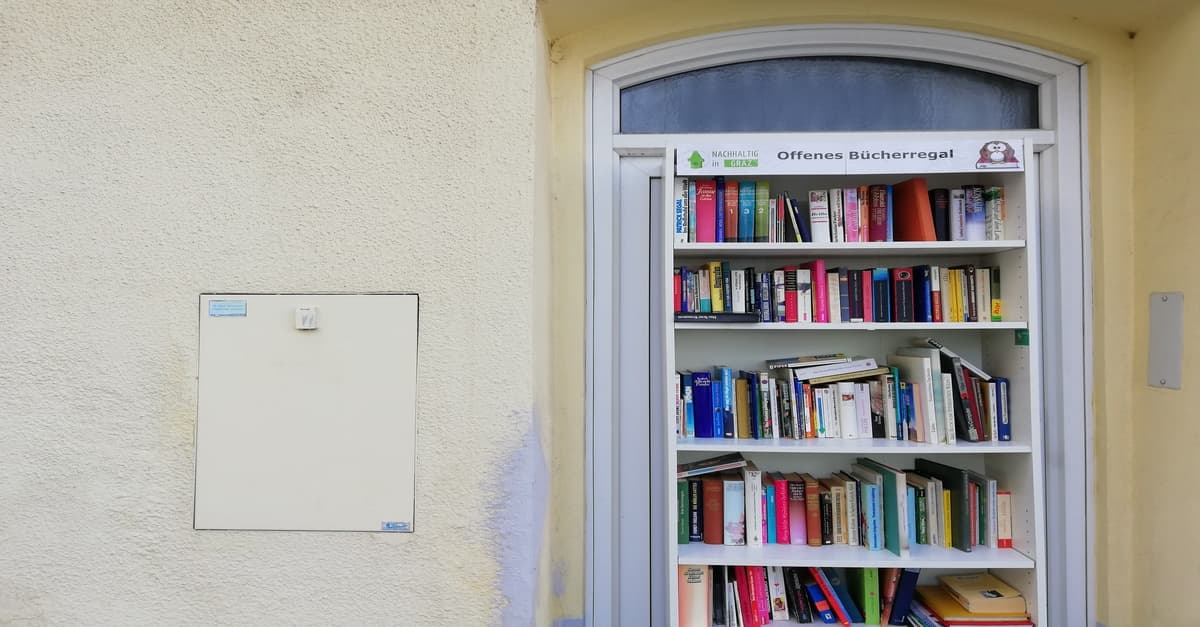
x=1007, y=345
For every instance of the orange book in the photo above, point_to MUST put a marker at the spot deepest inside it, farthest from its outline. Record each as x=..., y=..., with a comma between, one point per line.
x=713, y=491
x=910, y=209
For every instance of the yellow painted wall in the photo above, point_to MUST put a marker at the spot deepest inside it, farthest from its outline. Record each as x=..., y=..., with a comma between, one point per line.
x=1108, y=52
x=1167, y=422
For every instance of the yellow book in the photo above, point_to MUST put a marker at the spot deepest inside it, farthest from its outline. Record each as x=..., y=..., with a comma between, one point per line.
x=983, y=592
x=942, y=603
x=956, y=297
x=716, y=283
x=742, y=407
x=946, y=539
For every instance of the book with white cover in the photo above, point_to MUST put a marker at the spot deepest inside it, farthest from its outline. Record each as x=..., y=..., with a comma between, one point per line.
x=945, y=421
x=918, y=370
x=818, y=216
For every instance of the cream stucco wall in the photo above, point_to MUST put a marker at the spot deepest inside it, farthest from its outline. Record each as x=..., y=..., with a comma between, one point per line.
x=1166, y=432
x=1108, y=51
x=150, y=151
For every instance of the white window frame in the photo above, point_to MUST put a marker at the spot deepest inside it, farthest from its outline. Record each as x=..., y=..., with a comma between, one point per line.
x=1066, y=278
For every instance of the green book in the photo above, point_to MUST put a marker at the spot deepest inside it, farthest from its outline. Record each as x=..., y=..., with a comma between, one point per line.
x=682, y=487
x=762, y=213
x=864, y=585
x=895, y=506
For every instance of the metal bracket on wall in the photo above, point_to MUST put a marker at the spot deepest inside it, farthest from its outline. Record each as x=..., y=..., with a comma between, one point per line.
x=1164, y=367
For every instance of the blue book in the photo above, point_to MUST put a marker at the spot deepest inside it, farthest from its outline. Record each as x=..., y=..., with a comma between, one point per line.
x=769, y=490
x=1003, y=424
x=843, y=593
x=881, y=295
x=746, y=211
x=844, y=293
x=720, y=208
x=874, y=539
x=718, y=408
x=904, y=596
x=689, y=405
x=890, y=220
x=683, y=289
x=912, y=515
x=821, y=604
x=727, y=401
x=907, y=409
x=702, y=401
x=727, y=278
x=752, y=380
x=922, y=294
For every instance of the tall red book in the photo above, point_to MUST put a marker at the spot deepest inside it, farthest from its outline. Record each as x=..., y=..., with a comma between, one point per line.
x=706, y=210
x=820, y=294
x=783, y=519
x=911, y=212
x=731, y=211
x=713, y=504
x=791, y=308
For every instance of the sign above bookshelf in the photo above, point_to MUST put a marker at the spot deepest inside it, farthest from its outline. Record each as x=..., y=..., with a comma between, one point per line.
x=868, y=156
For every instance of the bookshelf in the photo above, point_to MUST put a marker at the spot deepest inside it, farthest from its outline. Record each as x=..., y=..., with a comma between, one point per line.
x=1009, y=348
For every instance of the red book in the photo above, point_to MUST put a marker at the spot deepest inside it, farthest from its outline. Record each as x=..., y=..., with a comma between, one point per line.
x=761, y=595
x=936, y=297
x=811, y=421
x=878, y=212
x=731, y=211
x=911, y=212
x=889, y=578
x=867, y=289
x=746, y=604
x=797, y=516
x=973, y=401
x=783, y=519
x=713, y=505
x=835, y=602
x=820, y=294
x=791, y=308
x=812, y=507
x=706, y=210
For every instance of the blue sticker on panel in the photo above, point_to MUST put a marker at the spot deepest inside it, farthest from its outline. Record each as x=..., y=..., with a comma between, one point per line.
x=226, y=308
x=396, y=526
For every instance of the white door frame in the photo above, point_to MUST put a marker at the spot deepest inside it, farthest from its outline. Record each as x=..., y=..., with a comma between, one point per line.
x=1066, y=258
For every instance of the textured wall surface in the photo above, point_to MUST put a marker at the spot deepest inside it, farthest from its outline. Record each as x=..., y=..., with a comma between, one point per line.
x=151, y=151
x=593, y=32
x=1167, y=433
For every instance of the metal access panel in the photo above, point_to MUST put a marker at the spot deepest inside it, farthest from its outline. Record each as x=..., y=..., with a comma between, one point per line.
x=307, y=412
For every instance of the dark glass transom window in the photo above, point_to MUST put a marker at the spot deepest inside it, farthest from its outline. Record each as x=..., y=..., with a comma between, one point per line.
x=829, y=93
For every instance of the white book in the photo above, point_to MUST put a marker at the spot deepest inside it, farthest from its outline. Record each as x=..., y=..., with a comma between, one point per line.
x=829, y=406
x=778, y=279
x=812, y=372
x=753, y=478
x=852, y=514
x=862, y=402
x=948, y=407
x=733, y=604
x=837, y=216
x=994, y=216
x=681, y=211
x=835, y=297
x=993, y=408
x=737, y=291
x=773, y=222
x=695, y=596
x=847, y=410
x=938, y=390
x=734, y=532
x=818, y=215
x=804, y=294
x=775, y=589
x=889, y=406
x=958, y=215
x=918, y=370
x=935, y=287
x=940, y=512
x=945, y=281
x=983, y=294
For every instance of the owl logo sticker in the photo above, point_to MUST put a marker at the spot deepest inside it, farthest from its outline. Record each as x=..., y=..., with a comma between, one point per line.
x=997, y=155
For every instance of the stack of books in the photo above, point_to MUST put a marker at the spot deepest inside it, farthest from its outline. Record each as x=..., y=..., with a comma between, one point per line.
x=712, y=210
x=923, y=393
x=728, y=500
x=968, y=600
x=810, y=292
x=752, y=596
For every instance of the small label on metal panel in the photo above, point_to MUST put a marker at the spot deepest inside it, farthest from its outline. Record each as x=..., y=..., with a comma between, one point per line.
x=226, y=308
x=395, y=526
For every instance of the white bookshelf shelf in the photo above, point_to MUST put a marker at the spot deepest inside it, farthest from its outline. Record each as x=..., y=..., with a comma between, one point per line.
x=836, y=555
x=873, y=446
x=844, y=249
x=852, y=326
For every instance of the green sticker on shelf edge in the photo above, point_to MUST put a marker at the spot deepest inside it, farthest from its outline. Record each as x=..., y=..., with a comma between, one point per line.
x=1022, y=337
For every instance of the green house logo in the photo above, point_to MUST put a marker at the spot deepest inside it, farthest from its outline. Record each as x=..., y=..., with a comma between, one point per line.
x=696, y=160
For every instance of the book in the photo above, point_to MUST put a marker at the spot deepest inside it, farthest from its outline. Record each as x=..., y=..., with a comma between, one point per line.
x=837, y=227
x=691, y=196
x=878, y=213
x=716, y=317
x=681, y=211
x=821, y=604
x=762, y=215
x=889, y=578
x=974, y=207
x=905, y=590
x=745, y=228
x=682, y=511
x=695, y=596
x=796, y=509
x=839, y=609
x=777, y=593
x=812, y=506
x=949, y=611
x=957, y=482
x=1004, y=519
x=695, y=510
x=958, y=215
x=818, y=216
x=706, y=210
x=719, y=581
x=754, y=501
x=783, y=513
x=798, y=599
x=733, y=530
x=730, y=461
x=820, y=304
x=713, y=497
x=918, y=369
x=902, y=286
x=842, y=591
x=997, y=304
x=895, y=505
x=983, y=592
x=864, y=586
x=852, y=219
x=993, y=199
x=805, y=361
x=939, y=204
x=913, y=217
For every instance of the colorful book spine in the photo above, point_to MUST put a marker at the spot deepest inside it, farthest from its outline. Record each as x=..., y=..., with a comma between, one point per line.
x=783, y=512
x=762, y=213
x=733, y=530
x=818, y=216
x=824, y=610
x=746, y=211
x=719, y=192
x=851, y=213
x=994, y=212
x=681, y=211
x=974, y=207
x=682, y=517
x=891, y=217
x=769, y=520
x=730, y=208
x=878, y=213
x=691, y=195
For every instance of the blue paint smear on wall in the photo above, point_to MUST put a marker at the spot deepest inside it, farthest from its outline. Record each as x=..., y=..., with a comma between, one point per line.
x=516, y=519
